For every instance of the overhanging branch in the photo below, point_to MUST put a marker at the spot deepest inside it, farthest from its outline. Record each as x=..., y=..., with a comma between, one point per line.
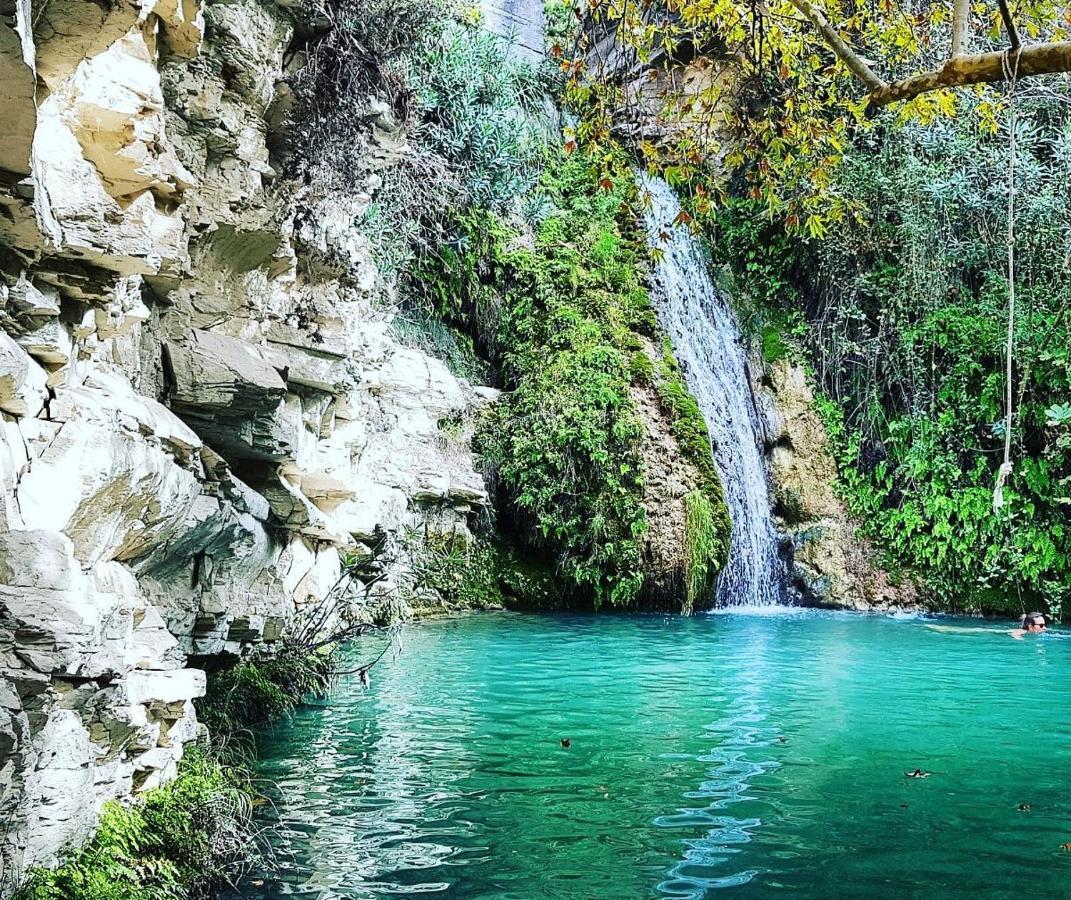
x=861, y=70
x=978, y=68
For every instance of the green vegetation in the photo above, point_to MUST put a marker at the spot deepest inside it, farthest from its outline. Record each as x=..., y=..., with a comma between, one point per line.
x=707, y=525
x=475, y=108
x=482, y=574
x=179, y=841
x=706, y=543
x=904, y=321
x=564, y=316
x=264, y=686
x=473, y=117
x=690, y=429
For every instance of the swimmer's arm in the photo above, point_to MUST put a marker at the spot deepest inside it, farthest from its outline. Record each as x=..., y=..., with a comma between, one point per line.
x=960, y=629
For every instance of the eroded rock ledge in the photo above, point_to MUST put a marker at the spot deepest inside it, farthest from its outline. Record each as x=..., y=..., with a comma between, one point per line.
x=201, y=404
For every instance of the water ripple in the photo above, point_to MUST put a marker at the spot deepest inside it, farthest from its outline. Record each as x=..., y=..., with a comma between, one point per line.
x=762, y=753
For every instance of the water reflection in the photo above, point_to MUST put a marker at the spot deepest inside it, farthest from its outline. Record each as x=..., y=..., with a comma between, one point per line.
x=448, y=777
x=740, y=741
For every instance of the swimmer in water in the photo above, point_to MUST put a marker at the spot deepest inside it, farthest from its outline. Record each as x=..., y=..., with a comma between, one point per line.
x=1033, y=623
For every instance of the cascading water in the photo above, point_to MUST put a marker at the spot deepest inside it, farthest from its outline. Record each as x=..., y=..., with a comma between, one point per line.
x=707, y=343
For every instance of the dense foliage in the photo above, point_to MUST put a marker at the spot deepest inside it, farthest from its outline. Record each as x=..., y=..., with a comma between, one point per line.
x=485, y=573
x=766, y=99
x=564, y=314
x=903, y=316
x=179, y=842
x=263, y=686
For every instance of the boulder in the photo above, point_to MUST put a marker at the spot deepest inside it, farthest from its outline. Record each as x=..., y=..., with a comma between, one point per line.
x=29, y=300
x=106, y=476
x=176, y=686
x=115, y=110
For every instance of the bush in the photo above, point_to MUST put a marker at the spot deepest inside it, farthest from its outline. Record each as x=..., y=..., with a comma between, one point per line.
x=263, y=687
x=481, y=574
x=472, y=113
x=179, y=841
x=476, y=107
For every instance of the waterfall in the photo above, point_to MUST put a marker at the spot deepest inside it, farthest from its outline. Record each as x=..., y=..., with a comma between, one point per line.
x=707, y=343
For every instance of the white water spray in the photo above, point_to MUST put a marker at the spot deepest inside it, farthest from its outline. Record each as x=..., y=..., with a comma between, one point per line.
x=707, y=343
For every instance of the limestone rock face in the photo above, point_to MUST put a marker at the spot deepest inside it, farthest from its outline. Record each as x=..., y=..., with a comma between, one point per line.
x=202, y=399
x=832, y=564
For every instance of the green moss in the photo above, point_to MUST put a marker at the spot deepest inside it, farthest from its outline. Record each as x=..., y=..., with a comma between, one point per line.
x=558, y=316
x=708, y=526
x=693, y=437
x=642, y=368
x=565, y=317
x=482, y=574
x=704, y=543
x=179, y=841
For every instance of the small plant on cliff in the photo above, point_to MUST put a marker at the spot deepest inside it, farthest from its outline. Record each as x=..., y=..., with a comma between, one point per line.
x=265, y=686
x=705, y=543
x=179, y=842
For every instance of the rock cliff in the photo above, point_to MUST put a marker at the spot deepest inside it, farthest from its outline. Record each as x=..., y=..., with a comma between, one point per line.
x=202, y=399
x=831, y=563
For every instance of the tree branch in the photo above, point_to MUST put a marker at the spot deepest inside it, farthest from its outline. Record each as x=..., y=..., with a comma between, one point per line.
x=861, y=70
x=1009, y=24
x=961, y=26
x=978, y=68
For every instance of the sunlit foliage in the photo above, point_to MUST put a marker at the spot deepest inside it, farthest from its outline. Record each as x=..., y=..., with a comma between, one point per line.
x=714, y=90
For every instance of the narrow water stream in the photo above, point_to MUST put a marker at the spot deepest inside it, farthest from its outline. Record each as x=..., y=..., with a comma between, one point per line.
x=706, y=342
x=762, y=752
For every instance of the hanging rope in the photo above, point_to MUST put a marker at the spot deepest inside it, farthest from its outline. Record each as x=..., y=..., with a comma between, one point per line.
x=1011, y=73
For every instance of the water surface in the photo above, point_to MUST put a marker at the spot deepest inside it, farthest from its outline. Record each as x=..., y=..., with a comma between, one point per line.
x=755, y=754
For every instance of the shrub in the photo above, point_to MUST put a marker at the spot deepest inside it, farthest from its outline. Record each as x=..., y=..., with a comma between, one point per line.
x=476, y=107
x=484, y=573
x=265, y=686
x=472, y=112
x=179, y=841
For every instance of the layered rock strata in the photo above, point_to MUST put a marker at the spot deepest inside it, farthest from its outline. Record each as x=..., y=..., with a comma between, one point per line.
x=202, y=400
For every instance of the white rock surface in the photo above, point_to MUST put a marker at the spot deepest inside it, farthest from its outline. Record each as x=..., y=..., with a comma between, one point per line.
x=168, y=325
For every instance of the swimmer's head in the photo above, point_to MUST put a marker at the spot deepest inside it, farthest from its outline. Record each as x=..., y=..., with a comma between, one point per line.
x=1034, y=622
